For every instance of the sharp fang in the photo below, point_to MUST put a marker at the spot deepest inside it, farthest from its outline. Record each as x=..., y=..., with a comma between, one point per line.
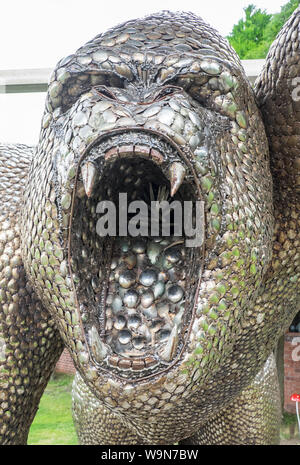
x=177, y=173
x=98, y=348
x=88, y=172
x=169, y=350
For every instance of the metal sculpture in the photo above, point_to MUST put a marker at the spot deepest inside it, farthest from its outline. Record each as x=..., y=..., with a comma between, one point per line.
x=171, y=343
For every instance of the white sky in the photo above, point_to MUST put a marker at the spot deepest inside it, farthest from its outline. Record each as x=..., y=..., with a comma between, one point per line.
x=38, y=33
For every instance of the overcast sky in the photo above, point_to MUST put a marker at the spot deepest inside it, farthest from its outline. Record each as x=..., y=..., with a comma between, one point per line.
x=37, y=33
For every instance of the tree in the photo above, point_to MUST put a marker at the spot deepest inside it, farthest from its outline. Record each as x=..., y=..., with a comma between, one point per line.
x=251, y=37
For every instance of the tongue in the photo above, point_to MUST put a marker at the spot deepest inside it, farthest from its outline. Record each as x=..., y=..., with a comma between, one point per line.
x=145, y=297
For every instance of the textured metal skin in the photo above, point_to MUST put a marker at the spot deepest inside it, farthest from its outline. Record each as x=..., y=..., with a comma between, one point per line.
x=96, y=424
x=252, y=418
x=29, y=342
x=169, y=88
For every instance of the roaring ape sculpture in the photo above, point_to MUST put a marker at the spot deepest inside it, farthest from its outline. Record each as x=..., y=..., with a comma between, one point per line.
x=172, y=336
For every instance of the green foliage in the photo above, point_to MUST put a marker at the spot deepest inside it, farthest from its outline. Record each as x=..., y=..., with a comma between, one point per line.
x=251, y=37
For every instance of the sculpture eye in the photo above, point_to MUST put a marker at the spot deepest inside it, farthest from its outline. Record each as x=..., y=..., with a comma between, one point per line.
x=79, y=84
x=104, y=92
x=166, y=91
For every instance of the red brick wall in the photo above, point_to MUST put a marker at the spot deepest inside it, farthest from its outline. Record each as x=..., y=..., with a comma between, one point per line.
x=291, y=369
x=65, y=364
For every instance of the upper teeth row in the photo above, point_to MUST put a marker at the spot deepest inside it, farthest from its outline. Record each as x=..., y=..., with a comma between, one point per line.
x=176, y=171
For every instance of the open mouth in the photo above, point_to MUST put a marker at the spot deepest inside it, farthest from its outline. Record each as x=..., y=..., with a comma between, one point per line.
x=136, y=293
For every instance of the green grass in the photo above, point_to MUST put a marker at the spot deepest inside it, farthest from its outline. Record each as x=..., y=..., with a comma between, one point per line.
x=53, y=422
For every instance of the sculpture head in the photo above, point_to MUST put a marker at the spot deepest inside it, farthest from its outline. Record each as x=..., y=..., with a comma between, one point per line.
x=158, y=109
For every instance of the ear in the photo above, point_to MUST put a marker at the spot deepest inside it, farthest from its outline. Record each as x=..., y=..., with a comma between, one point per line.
x=278, y=95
